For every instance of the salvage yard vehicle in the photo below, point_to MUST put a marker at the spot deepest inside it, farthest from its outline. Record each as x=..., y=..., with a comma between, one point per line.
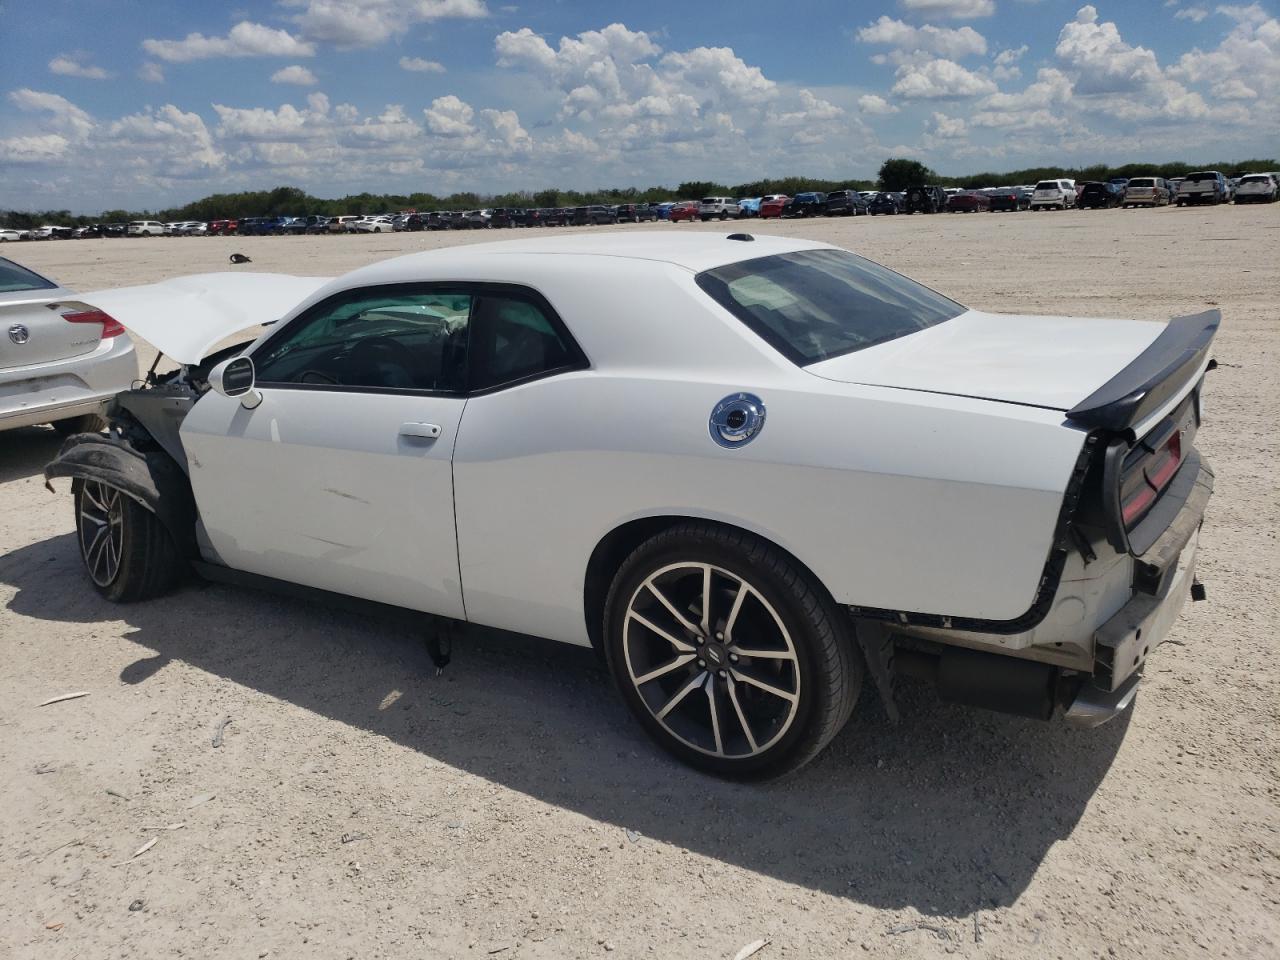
x=1147, y=192
x=968, y=201
x=61, y=360
x=925, y=199
x=779, y=466
x=1257, y=188
x=1054, y=194
x=1207, y=186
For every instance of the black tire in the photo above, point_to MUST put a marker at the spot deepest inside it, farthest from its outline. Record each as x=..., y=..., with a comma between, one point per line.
x=85, y=423
x=824, y=664
x=148, y=564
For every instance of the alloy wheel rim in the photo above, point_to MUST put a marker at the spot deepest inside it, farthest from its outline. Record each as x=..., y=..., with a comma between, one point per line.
x=721, y=677
x=101, y=531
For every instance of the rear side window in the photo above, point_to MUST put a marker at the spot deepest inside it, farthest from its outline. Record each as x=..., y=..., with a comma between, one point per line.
x=14, y=278
x=813, y=305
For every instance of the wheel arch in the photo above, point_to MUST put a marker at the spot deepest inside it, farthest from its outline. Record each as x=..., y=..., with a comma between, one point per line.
x=152, y=478
x=620, y=542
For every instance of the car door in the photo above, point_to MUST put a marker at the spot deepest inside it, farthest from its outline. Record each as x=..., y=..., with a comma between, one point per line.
x=341, y=478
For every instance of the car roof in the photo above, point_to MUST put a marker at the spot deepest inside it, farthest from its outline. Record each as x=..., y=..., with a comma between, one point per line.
x=692, y=251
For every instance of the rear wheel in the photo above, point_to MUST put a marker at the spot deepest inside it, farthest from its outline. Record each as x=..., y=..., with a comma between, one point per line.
x=730, y=656
x=127, y=552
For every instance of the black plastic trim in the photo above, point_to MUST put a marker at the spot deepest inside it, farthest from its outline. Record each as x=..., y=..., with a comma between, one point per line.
x=1156, y=375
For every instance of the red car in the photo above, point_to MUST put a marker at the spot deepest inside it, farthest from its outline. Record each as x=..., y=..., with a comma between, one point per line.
x=686, y=210
x=968, y=202
x=772, y=206
x=223, y=227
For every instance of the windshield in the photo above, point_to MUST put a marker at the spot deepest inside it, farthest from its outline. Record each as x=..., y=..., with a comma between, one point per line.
x=817, y=304
x=14, y=277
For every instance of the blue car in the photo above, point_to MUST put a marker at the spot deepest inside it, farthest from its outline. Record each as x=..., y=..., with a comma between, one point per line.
x=749, y=207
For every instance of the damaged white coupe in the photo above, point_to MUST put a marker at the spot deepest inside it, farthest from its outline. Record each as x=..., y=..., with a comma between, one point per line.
x=755, y=473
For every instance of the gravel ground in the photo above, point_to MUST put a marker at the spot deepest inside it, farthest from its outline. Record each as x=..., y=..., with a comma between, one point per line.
x=361, y=807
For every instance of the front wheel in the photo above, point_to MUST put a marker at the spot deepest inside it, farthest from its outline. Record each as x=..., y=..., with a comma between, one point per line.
x=126, y=550
x=730, y=656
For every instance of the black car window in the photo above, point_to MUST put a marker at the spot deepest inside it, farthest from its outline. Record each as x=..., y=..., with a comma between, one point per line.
x=513, y=338
x=386, y=338
x=14, y=277
x=817, y=304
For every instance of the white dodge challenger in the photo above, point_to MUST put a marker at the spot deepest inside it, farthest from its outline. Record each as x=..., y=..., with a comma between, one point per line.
x=750, y=471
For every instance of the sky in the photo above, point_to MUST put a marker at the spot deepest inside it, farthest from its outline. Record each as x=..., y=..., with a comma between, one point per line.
x=151, y=103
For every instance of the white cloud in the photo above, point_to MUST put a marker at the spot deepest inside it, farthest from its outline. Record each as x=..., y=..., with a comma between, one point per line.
x=1244, y=66
x=449, y=116
x=366, y=23
x=1194, y=14
x=876, y=105
x=419, y=65
x=943, y=41
x=1114, y=77
x=952, y=9
x=946, y=128
x=41, y=148
x=939, y=80
x=151, y=72
x=245, y=39
x=296, y=75
x=69, y=65
x=61, y=112
x=1005, y=63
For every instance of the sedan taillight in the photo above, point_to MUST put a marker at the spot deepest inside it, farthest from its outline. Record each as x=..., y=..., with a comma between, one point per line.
x=110, y=325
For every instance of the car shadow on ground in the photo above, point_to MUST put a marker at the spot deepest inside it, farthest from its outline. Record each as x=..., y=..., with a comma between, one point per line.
x=951, y=811
x=25, y=451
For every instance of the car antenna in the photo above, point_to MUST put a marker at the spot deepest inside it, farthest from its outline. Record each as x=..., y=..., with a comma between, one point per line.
x=744, y=237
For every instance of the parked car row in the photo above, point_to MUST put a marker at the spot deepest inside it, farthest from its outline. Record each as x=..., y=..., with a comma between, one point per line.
x=1209, y=186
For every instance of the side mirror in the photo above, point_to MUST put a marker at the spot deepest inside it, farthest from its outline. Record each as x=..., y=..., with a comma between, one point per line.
x=235, y=378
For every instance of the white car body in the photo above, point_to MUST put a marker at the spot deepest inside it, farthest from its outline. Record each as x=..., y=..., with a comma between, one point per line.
x=1049, y=194
x=710, y=208
x=921, y=481
x=145, y=228
x=1257, y=188
x=53, y=369
x=372, y=225
x=7, y=235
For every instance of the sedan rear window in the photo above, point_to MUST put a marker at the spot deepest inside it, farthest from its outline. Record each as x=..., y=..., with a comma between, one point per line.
x=1142, y=182
x=813, y=305
x=14, y=278
x=1047, y=185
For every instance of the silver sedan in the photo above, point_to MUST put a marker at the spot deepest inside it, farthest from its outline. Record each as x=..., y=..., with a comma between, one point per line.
x=61, y=360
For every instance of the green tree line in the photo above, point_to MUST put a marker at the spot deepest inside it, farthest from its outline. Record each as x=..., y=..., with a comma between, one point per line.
x=894, y=174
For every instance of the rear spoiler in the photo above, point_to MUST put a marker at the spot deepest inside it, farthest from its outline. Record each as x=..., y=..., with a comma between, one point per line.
x=1155, y=375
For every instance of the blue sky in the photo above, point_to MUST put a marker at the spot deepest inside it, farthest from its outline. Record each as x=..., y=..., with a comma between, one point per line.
x=148, y=103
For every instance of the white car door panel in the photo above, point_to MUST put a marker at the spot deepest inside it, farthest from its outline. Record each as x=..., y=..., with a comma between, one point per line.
x=343, y=491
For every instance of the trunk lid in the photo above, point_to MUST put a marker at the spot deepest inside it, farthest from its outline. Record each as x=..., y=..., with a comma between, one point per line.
x=33, y=331
x=1050, y=362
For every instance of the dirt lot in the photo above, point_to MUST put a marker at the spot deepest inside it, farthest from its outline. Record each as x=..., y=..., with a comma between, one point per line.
x=360, y=807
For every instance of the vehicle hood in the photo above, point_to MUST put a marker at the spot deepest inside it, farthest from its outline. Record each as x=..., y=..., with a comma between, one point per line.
x=1050, y=362
x=186, y=317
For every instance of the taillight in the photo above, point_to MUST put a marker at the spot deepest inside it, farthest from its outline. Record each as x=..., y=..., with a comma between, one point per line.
x=110, y=325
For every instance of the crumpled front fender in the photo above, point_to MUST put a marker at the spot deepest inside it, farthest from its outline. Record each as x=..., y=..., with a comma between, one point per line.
x=152, y=478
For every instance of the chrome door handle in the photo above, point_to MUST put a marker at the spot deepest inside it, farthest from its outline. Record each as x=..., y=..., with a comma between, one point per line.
x=425, y=431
